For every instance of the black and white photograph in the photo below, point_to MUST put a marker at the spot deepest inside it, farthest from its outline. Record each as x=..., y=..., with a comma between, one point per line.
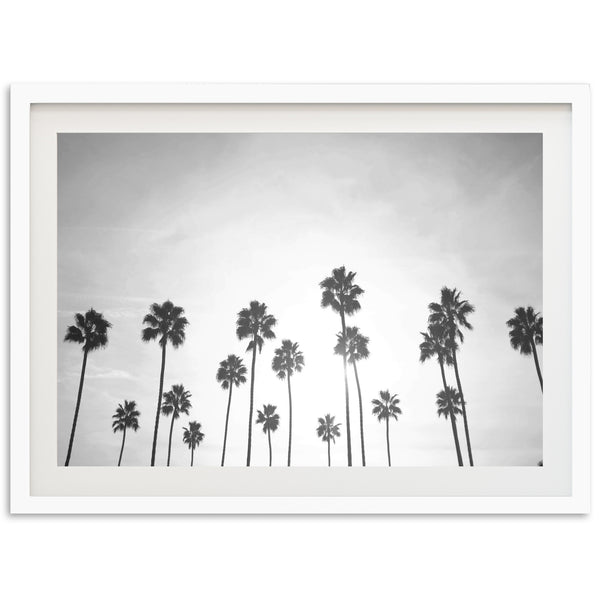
x=300, y=300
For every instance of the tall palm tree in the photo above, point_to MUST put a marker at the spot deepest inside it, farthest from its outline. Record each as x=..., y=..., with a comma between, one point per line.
x=527, y=331
x=91, y=331
x=384, y=408
x=125, y=417
x=340, y=293
x=328, y=430
x=435, y=345
x=192, y=436
x=175, y=402
x=270, y=422
x=449, y=404
x=166, y=323
x=231, y=372
x=356, y=347
x=288, y=358
x=452, y=313
x=256, y=324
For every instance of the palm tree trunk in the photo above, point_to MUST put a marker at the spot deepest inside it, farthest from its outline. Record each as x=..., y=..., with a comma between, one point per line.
x=290, y=435
x=82, y=377
x=387, y=436
x=360, y=410
x=464, y=409
x=348, y=437
x=122, y=446
x=270, y=453
x=537, y=364
x=160, y=391
x=192, y=463
x=170, y=438
x=226, y=423
x=328, y=453
x=249, y=453
x=454, y=432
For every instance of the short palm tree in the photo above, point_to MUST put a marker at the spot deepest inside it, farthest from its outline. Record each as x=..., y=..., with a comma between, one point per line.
x=527, y=331
x=435, y=345
x=287, y=360
x=449, y=405
x=384, y=408
x=175, y=402
x=328, y=430
x=125, y=417
x=452, y=313
x=256, y=324
x=340, y=293
x=231, y=372
x=91, y=331
x=356, y=347
x=270, y=422
x=192, y=436
x=166, y=323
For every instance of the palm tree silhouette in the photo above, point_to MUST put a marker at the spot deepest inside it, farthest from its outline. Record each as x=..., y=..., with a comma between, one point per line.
x=288, y=358
x=175, y=402
x=384, y=407
x=449, y=404
x=452, y=313
x=231, y=372
x=192, y=436
x=91, y=331
x=340, y=293
x=257, y=324
x=328, y=430
x=356, y=347
x=526, y=331
x=166, y=322
x=270, y=422
x=125, y=417
x=435, y=345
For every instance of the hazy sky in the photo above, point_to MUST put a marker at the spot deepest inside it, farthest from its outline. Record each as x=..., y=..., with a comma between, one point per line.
x=212, y=221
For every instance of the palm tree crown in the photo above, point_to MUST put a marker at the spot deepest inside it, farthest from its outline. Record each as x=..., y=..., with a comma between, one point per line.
x=231, y=371
x=166, y=322
x=192, y=436
x=448, y=403
x=386, y=406
x=526, y=329
x=328, y=429
x=176, y=401
x=451, y=313
x=340, y=292
x=288, y=358
x=255, y=323
x=356, y=345
x=268, y=418
x=90, y=329
x=435, y=344
x=126, y=417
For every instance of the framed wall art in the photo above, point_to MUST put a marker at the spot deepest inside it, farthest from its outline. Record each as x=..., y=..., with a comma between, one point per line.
x=300, y=298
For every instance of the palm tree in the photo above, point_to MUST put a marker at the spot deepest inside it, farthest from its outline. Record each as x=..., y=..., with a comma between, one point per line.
x=231, y=372
x=166, y=322
x=192, y=436
x=257, y=324
x=270, y=422
x=175, y=402
x=340, y=293
x=125, y=417
x=435, y=345
x=384, y=407
x=91, y=331
x=328, y=430
x=356, y=347
x=452, y=313
x=449, y=404
x=526, y=331
x=288, y=358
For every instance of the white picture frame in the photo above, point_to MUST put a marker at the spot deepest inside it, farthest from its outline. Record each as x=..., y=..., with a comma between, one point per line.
x=24, y=97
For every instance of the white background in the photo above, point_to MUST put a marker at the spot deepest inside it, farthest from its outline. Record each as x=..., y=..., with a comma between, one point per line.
x=293, y=557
